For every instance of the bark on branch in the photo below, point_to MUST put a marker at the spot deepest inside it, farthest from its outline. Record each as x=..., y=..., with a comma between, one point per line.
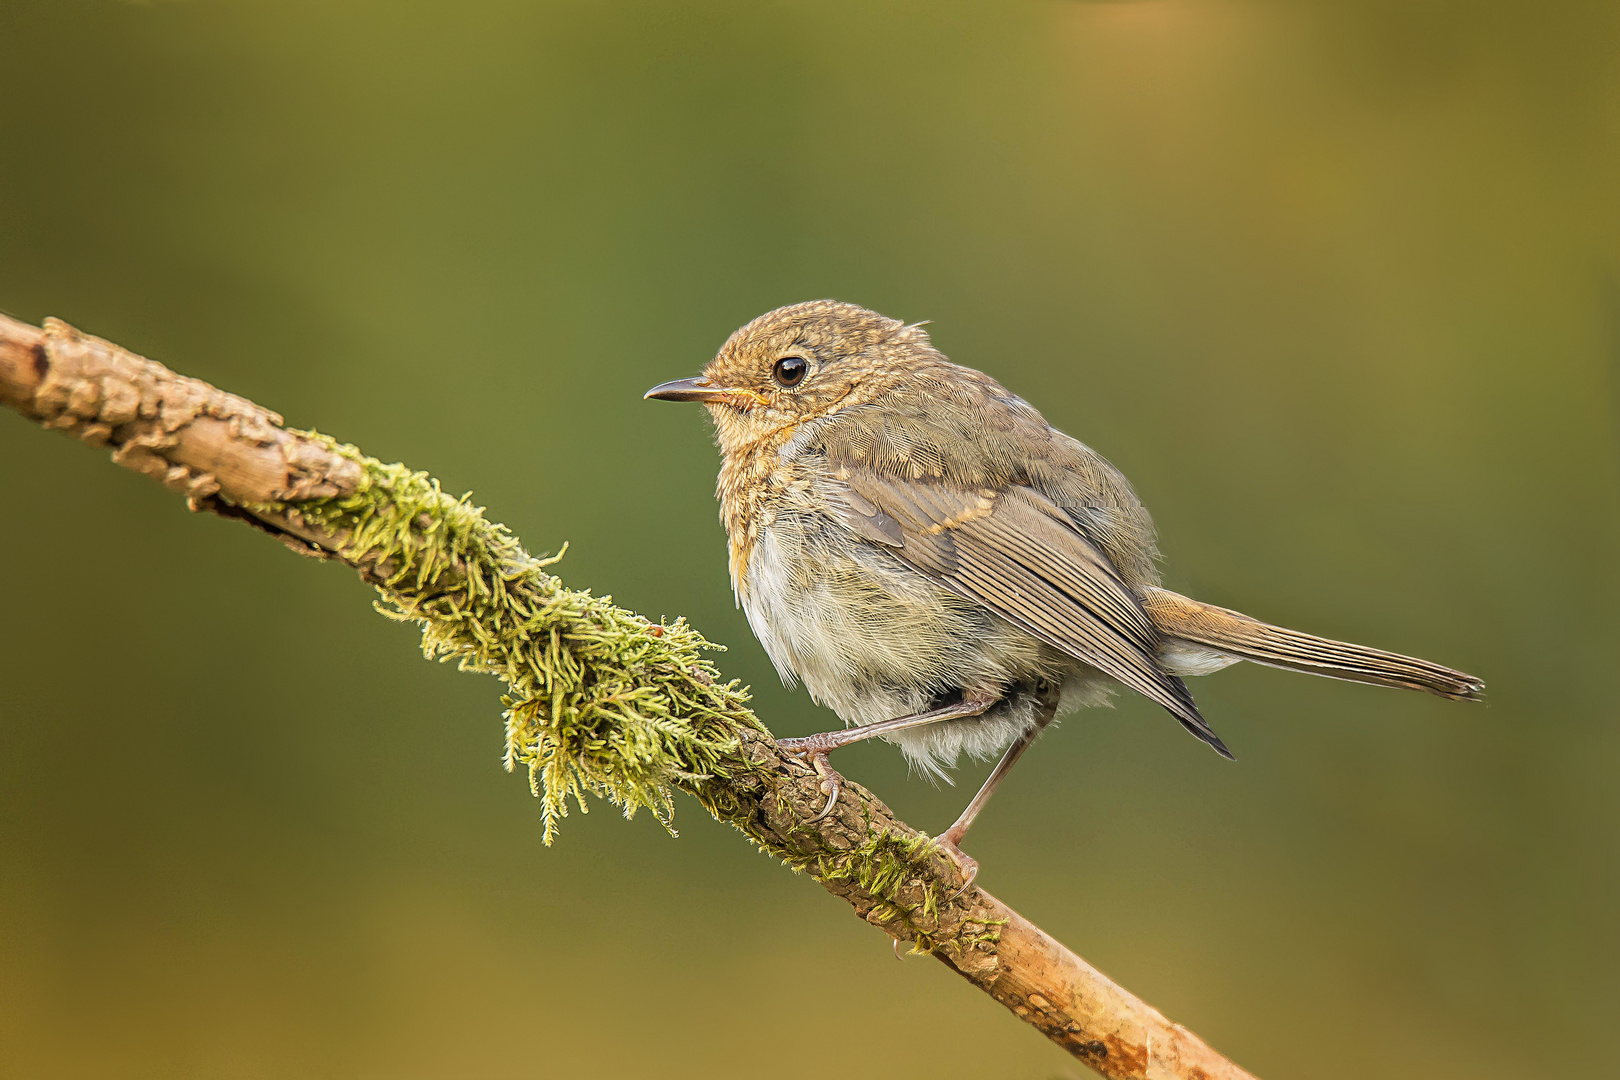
x=599, y=700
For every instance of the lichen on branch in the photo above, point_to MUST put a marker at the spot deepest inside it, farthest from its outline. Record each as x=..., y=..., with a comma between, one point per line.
x=598, y=699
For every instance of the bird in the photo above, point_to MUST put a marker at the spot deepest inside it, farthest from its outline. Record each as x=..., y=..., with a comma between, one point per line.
x=944, y=569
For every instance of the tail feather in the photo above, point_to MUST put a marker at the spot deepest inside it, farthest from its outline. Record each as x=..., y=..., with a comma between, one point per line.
x=1234, y=634
x=1194, y=721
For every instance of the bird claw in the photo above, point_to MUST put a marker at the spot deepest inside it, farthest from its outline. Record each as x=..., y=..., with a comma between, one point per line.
x=815, y=753
x=829, y=787
x=966, y=865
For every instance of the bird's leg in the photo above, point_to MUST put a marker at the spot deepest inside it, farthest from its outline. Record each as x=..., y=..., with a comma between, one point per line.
x=815, y=748
x=950, y=841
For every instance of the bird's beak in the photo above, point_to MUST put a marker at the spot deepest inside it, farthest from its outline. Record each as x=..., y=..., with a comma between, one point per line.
x=701, y=389
x=698, y=389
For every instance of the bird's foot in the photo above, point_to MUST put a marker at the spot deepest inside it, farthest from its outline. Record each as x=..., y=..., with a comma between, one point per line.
x=966, y=865
x=814, y=749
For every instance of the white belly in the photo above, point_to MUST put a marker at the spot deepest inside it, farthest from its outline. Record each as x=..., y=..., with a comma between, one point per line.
x=872, y=640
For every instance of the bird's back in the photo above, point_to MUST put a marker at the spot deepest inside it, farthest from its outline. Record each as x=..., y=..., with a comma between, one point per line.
x=960, y=427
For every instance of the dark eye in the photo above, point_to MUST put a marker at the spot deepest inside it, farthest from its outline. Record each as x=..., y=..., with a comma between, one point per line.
x=791, y=370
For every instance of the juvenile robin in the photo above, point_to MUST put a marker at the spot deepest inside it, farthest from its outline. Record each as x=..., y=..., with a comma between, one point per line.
x=943, y=568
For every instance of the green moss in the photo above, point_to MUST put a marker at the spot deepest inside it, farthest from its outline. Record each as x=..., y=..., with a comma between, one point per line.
x=598, y=699
x=885, y=866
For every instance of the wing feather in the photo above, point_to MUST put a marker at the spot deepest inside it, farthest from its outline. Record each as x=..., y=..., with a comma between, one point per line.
x=1015, y=552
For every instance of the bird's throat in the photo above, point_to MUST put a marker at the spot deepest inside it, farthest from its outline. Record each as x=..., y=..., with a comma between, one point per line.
x=749, y=484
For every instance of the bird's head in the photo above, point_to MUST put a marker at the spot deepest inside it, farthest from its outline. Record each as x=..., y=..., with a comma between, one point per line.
x=798, y=363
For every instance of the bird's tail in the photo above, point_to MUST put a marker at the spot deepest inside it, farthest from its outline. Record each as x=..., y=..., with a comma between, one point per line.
x=1235, y=635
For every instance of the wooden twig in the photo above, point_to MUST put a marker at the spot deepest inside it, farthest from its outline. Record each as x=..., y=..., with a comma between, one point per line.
x=234, y=458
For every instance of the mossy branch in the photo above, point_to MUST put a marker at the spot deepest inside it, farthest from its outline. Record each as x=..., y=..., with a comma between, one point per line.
x=598, y=699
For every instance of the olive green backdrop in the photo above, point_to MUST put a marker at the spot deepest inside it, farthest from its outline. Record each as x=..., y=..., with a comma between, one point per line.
x=1336, y=284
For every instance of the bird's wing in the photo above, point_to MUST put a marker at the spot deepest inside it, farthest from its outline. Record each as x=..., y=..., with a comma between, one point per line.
x=1015, y=551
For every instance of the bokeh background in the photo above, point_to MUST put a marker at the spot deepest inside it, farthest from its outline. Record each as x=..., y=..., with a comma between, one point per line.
x=1337, y=284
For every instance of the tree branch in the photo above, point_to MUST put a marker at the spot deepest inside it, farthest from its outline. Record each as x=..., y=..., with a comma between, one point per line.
x=599, y=700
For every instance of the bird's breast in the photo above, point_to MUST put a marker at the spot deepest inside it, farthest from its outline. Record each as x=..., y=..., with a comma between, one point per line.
x=867, y=635
x=755, y=484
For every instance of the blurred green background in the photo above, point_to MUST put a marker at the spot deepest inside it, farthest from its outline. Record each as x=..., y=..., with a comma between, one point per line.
x=1336, y=284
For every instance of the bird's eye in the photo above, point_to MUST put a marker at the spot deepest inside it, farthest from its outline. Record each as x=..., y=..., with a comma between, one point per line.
x=790, y=370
